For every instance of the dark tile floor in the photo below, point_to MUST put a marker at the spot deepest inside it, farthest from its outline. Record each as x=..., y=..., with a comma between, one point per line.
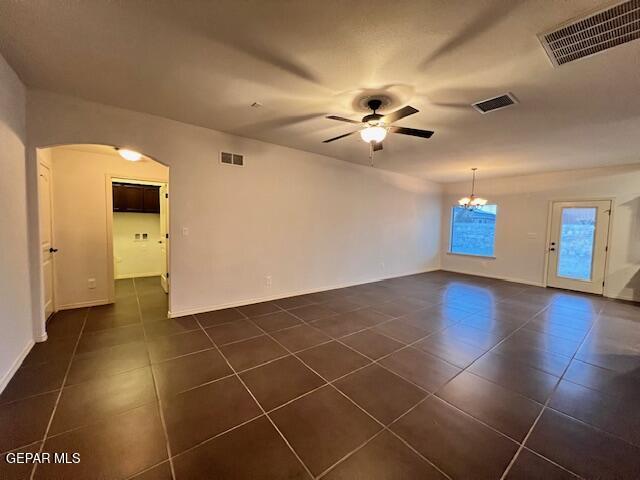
x=436, y=375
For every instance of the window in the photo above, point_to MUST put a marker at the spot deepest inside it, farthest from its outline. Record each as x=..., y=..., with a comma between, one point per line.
x=473, y=231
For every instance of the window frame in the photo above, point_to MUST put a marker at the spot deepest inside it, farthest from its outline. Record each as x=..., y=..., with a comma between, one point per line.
x=463, y=254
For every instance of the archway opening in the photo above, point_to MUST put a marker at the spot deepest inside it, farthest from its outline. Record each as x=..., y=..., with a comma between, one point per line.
x=103, y=234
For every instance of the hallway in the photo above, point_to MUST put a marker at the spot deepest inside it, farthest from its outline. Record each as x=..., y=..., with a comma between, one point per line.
x=437, y=375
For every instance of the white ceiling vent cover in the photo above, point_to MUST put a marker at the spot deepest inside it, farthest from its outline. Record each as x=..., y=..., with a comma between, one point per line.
x=593, y=34
x=495, y=103
x=232, y=159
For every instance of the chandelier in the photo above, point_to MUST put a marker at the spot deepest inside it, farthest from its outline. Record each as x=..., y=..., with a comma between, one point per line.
x=472, y=201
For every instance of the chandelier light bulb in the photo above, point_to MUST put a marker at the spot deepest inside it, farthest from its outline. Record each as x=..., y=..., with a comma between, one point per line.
x=472, y=201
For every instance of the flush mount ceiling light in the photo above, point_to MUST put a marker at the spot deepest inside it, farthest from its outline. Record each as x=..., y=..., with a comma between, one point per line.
x=130, y=155
x=472, y=201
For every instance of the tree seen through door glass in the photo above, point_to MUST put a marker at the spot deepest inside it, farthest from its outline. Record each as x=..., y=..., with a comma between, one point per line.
x=577, y=235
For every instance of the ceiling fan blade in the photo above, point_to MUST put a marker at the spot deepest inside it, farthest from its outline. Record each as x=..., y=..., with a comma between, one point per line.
x=398, y=114
x=342, y=119
x=411, y=131
x=339, y=137
x=377, y=147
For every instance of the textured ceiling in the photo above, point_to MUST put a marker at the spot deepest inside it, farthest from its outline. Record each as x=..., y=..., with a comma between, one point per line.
x=205, y=62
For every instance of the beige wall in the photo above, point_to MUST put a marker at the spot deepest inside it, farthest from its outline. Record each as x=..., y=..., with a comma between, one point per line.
x=16, y=327
x=136, y=257
x=523, y=209
x=80, y=211
x=308, y=221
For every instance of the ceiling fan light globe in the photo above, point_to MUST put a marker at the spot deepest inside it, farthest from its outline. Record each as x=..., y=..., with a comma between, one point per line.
x=373, y=134
x=463, y=202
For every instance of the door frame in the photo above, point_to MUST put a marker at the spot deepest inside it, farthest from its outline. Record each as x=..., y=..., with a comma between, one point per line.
x=109, y=178
x=164, y=200
x=41, y=161
x=548, y=235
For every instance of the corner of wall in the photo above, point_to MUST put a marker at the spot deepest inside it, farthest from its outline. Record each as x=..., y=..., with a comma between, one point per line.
x=6, y=378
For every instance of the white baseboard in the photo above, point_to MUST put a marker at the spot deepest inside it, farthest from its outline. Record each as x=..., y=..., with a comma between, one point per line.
x=484, y=275
x=90, y=303
x=42, y=338
x=16, y=365
x=239, y=303
x=628, y=298
x=138, y=275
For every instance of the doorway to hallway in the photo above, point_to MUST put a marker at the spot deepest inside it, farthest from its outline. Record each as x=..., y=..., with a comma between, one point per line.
x=139, y=228
x=76, y=223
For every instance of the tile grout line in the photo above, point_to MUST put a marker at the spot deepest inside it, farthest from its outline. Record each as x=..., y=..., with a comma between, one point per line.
x=64, y=381
x=451, y=379
x=546, y=403
x=350, y=454
x=433, y=394
x=155, y=385
x=207, y=440
x=384, y=427
x=256, y=401
x=338, y=340
x=544, y=406
x=410, y=345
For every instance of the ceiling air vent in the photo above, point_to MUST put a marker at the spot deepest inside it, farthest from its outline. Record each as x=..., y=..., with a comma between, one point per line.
x=495, y=103
x=232, y=159
x=592, y=34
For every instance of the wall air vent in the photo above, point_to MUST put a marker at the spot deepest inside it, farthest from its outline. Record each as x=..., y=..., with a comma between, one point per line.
x=495, y=103
x=593, y=34
x=232, y=159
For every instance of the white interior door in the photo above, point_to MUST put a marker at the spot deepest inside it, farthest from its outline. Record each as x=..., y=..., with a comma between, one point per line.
x=164, y=236
x=46, y=237
x=578, y=245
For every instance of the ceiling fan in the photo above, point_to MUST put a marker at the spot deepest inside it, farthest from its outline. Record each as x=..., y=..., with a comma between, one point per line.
x=376, y=126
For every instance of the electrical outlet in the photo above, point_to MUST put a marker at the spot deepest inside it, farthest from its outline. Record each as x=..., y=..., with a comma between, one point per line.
x=91, y=283
x=268, y=280
x=185, y=231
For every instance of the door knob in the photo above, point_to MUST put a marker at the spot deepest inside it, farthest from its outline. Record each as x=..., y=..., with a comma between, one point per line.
x=53, y=250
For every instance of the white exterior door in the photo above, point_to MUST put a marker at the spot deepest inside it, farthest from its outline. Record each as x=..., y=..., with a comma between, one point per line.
x=46, y=237
x=164, y=236
x=578, y=245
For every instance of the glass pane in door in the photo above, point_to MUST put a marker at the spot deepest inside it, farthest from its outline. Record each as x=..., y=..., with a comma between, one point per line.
x=577, y=235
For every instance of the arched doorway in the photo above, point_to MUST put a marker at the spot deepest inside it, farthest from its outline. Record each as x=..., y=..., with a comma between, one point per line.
x=102, y=221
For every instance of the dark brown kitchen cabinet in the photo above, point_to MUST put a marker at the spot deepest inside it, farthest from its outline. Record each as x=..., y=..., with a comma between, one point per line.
x=128, y=197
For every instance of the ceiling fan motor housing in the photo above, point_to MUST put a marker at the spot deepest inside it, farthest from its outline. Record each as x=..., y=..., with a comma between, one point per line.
x=372, y=119
x=374, y=104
